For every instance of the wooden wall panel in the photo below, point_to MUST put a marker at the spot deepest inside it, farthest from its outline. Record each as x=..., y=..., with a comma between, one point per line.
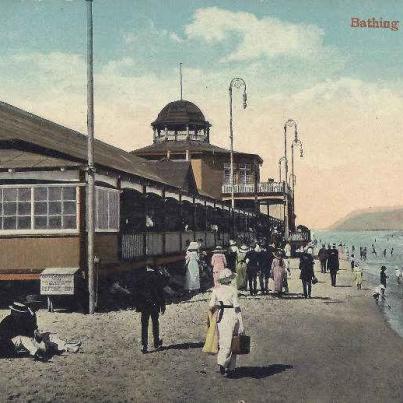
x=106, y=247
x=35, y=254
x=212, y=175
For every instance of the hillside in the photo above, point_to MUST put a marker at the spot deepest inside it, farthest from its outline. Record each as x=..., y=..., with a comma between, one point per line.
x=371, y=220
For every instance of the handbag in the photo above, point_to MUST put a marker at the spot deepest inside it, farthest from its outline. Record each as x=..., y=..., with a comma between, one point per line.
x=314, y=280
x=211, y=343
x=240, y=344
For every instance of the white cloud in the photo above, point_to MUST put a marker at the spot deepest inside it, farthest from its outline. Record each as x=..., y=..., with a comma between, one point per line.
x=267, y=36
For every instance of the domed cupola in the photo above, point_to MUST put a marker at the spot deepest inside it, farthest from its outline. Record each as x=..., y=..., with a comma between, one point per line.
x=180, y=121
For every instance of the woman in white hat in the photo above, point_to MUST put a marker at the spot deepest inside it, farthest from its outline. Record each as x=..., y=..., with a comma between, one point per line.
x=224, y=303
x=192, y=277
x=218, y=263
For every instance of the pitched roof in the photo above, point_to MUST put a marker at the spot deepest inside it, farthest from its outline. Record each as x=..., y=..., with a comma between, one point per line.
x=178, y=173
x=193, y=146
x=14, y=158
x=17, y=125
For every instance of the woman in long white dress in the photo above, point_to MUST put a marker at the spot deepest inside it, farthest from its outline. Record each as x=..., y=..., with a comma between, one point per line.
x=192, y=277
x=224, y=303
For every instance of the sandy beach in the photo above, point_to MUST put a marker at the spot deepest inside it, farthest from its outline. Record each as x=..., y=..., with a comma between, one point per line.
x=335, y=347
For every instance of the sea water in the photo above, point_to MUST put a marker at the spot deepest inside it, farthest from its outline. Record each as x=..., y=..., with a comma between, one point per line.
x=393, y=305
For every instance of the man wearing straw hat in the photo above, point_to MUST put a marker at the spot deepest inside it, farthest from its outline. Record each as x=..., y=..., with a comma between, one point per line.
x=19, y=331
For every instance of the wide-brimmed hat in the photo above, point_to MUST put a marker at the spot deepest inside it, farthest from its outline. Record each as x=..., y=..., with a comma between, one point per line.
x=19, y=307
x=244, y=248
x=232, y=242
x=193, y=246
x=226, y=276
x=219, y=249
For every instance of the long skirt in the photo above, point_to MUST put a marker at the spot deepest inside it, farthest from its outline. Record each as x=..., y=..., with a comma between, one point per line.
x=241, y=276
x=227, y=327
x=192, y=278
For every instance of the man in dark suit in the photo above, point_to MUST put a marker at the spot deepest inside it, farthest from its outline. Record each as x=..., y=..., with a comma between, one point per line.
x=150, y=301
x=265, y=258
x=19, y=331
x=322, y=256
x=306, y=264
x=333, y=264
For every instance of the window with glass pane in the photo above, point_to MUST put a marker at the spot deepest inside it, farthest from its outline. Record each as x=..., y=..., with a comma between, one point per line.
x=107, y=209
x=227, y=174
x=55, y=207
x=36, y=208
x=15, y=208
x=246, y=174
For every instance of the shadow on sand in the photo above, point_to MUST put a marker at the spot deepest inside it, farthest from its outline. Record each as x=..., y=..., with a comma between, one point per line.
x=183, y=346
x=260, y=372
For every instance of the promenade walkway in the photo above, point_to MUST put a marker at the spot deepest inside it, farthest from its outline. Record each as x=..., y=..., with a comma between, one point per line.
x=335, y=347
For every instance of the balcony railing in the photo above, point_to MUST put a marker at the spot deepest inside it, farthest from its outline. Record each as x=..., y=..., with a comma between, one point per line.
x=262, y=187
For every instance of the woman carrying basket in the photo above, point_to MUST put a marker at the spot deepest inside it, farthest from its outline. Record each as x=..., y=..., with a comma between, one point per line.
x=224, y=303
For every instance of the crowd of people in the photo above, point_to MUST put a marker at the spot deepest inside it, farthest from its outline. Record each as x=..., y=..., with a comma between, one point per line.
x=236, y=271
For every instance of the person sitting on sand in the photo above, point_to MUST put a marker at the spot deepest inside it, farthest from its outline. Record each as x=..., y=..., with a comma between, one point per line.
x=358, y=275
x=19, y=333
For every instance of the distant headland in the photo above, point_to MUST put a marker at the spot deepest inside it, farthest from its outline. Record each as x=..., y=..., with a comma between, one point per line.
x=371, y=219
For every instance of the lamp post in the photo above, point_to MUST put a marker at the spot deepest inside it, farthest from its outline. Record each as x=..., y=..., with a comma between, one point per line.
x=236, y=82
x=282, y=159
x=296, y=142
x=90, y=168
x=288, y=123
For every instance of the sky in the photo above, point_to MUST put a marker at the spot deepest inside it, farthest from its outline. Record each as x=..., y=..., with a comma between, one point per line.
x=300, y=60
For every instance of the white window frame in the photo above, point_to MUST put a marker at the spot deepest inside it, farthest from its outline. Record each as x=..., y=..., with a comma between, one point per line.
x=97, y=212
x=32, y=231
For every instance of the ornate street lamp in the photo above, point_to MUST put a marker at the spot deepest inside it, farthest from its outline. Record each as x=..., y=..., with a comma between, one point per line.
x=288, y=123
x=236, y=82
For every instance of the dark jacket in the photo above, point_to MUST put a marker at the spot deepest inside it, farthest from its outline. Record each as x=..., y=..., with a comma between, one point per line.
x=149, y=292
x=383, y=278
x=253, y=263
x=265, y=259
x=306, y=264
x=16, y=324
x=333, y=260
x=322, y=254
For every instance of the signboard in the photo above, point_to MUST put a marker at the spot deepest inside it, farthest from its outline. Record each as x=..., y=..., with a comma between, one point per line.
x=58, y=281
